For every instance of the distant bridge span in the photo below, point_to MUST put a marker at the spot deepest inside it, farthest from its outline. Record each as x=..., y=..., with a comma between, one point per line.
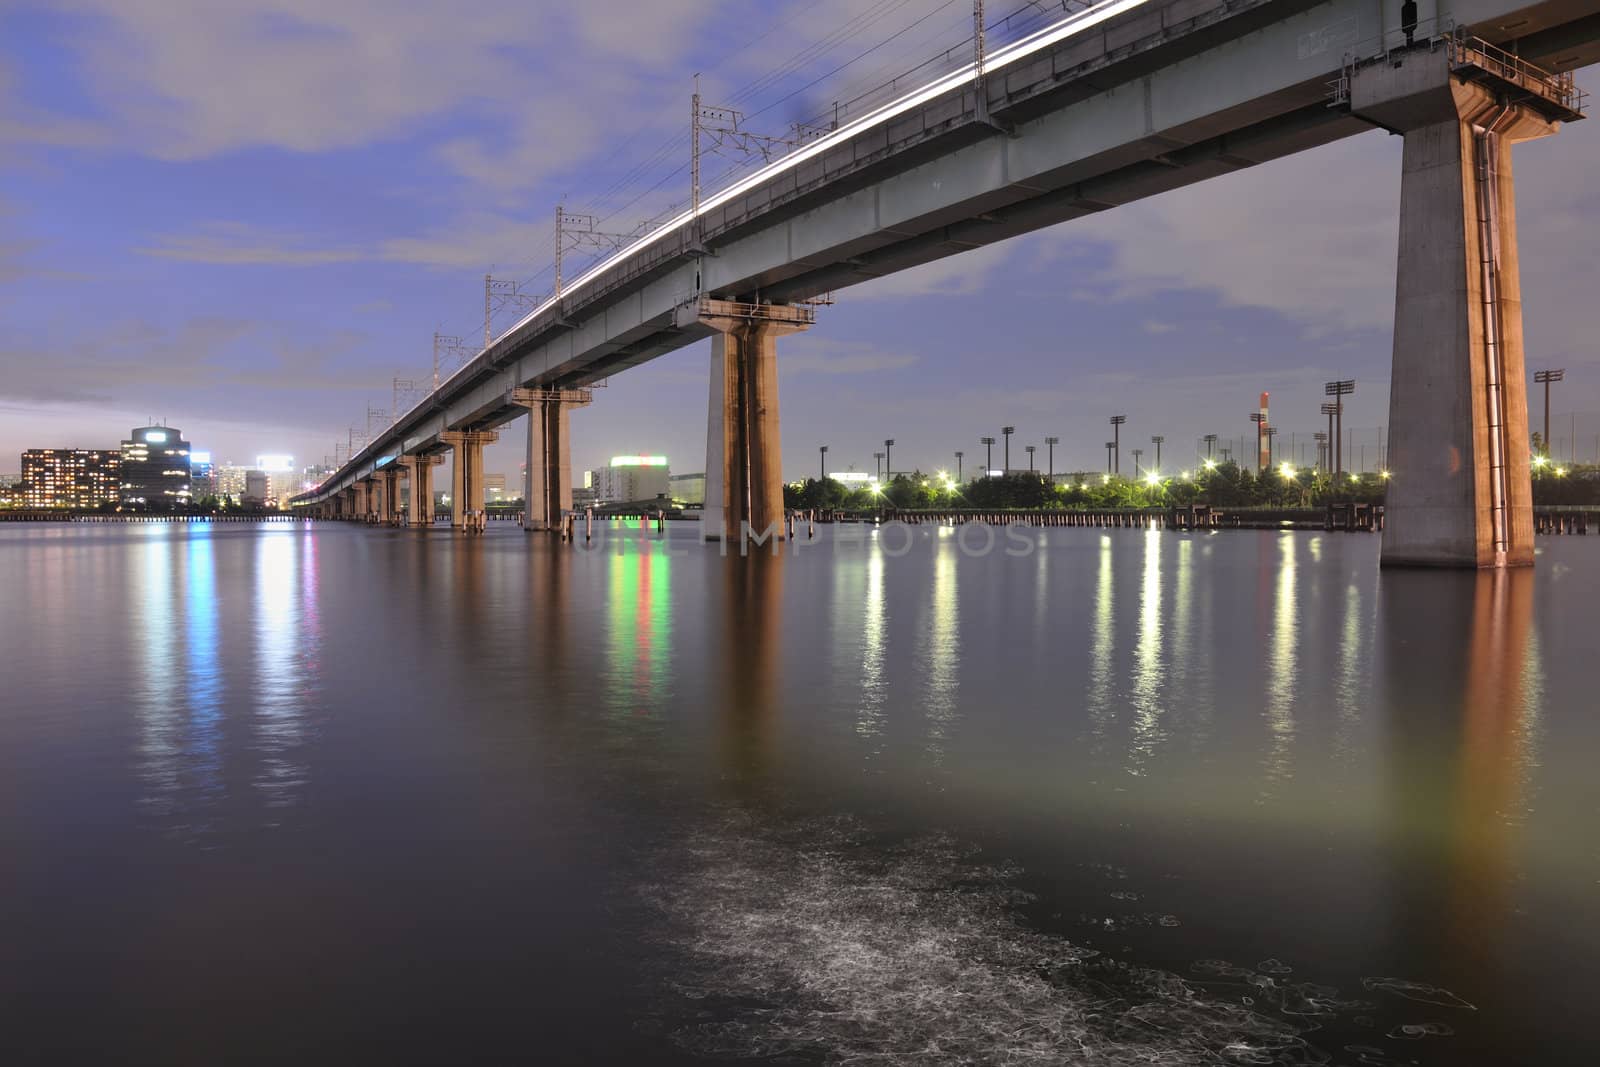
x=1128, y=99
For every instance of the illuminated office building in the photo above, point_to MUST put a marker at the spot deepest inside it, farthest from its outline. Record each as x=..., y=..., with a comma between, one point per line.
x=69, y=477
x=155, y=467
x=630, y=479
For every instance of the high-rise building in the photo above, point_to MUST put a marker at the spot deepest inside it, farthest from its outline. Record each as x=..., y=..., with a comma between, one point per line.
x=155, y=467
x=256, y=487
x=202, y=475
x=632, y=479
x=494, y=487
x=69, y=477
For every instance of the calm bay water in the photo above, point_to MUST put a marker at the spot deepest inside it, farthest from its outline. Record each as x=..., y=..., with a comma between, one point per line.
x=326, y=793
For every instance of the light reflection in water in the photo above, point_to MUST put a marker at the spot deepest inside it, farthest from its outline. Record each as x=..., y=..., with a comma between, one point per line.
x=279, y=722
x=640, y=634
x=156, y=692
x=1102, y=641
x=941, y=651
x=1147, y=690
x=1352, y=682
x=1281, y=665
x=870, y=714
x=748, y=659
x=203, y=668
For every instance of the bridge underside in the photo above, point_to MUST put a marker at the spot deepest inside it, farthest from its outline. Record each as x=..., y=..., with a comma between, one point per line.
x=1173, y=93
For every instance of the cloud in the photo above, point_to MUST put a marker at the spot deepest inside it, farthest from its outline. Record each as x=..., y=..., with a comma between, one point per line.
x=135, y=360
x=816, y=355
x=475, y=242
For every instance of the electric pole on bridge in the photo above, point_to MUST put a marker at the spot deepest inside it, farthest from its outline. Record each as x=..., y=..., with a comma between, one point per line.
x=509, y=292
x=446, y=344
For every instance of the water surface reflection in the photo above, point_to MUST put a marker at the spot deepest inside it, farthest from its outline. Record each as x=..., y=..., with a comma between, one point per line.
x=837, y=805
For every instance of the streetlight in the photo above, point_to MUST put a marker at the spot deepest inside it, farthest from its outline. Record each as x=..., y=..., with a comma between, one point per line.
x=1050, y=444
x=1339, y=390
x=1006, y=432
x=822, y=463
x=959, y=479
x=877, y=458
x=988, y=454
x=1157, y=440
x=1545, y=377
x=1261, y=424
x=888, y=462
x=1030, y=449
x=1116, y=442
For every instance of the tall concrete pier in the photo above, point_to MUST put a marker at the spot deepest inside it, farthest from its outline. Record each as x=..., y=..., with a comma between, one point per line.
x=547, y=474
x=744, y=446
x=1461, y=493
x=466, y=473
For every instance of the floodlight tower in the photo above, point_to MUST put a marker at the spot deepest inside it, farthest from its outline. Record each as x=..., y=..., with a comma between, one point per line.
x=1006, y=432
x=1339, y=390
x=1545, y=377
x=1260, y=419
x=1157, y=441
x=988, y=454
x=1050, y=443
x=1116, y=442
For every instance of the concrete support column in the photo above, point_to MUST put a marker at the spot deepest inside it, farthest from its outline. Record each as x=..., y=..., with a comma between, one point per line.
x=466, y=473
x=387, y=486
x=363, y=499
x=547, y=473
x=744, y=445
x=419, y=488
x=1460, y=494
x=347, y=503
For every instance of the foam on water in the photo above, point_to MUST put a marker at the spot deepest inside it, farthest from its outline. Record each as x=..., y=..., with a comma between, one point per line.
x=816, y=941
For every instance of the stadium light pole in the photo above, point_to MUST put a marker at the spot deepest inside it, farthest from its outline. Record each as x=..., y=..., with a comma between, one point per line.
x=1339, y=390
x=1006, y=432
x=1545, y=377
x=988, y=454
x=1116, y=442
x=1050, y=444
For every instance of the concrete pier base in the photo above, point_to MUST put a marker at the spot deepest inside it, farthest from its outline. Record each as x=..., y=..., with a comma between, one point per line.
x=466, y=474
x=547, y=474
x=744, y=446
x=363, y=499
x=1460, y=493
